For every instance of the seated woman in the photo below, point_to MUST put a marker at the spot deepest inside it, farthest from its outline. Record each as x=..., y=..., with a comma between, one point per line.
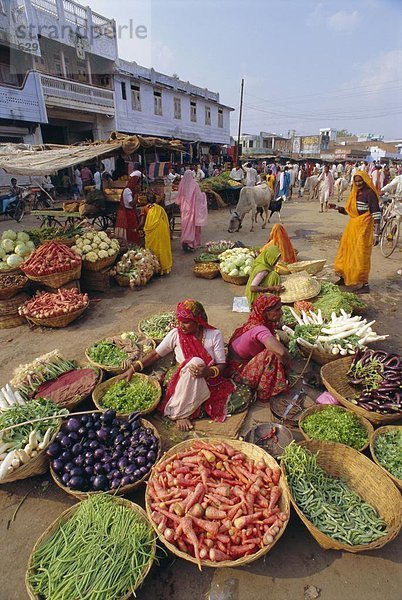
x=263, y=277
x=196, y=388
x=279, y=238
x=255, y=355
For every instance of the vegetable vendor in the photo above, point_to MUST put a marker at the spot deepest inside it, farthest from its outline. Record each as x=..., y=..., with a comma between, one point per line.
x=154, y=223
x=256, y=357
x=354, y=254
x=263, y=277
x=127, y=220
x=196, y=388
x=279, y=238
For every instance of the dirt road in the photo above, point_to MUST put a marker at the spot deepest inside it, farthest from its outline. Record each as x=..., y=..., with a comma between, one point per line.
x=296, y=562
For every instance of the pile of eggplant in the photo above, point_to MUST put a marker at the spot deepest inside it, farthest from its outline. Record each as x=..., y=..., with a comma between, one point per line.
x=379, y=374
x=97, y=452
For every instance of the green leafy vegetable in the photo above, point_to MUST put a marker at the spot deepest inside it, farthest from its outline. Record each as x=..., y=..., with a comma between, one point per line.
x=307, y=332
x=157, y=326
x=335, y=424
x=388, y=451
x=107, y=354
x=331, y=299
x=127, y=397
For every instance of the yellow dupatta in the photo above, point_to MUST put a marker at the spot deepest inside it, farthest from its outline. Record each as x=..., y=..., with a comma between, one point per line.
x=354, y=253
x=157, y=237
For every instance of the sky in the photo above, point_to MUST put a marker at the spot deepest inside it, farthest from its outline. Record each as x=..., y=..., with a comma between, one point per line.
x=306, y=64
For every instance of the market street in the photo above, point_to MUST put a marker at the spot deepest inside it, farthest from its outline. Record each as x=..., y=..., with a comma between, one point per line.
x=297, y=561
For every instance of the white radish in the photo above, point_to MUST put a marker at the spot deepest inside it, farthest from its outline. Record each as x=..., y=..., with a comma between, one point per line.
x=33, y=440
x=365, y=328
x=5, y=447
x=296, y=316
x=46, y=439
x=305, y=343
x=3, y=401
x=335, y=350
x=288, y=330
x=16, y=462
x=319, y=317
x=6, y=464
x=23, y=456
x=19, y=398
x=9, y=400
x=28, y=449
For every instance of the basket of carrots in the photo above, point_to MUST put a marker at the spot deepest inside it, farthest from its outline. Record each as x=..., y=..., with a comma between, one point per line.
x=216, y=503
x=55, y=309
x=53, y=264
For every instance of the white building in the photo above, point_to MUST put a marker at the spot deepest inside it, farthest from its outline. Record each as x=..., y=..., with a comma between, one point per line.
x=263, y=144
x=151, y=103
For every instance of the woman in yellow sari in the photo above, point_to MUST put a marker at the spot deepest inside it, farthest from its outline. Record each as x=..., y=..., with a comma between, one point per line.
x=155, y=224
x=279, y=238
x=352, y=262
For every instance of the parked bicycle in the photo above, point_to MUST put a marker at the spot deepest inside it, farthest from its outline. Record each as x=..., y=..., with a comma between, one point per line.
x=391, y=227
x=14, y=206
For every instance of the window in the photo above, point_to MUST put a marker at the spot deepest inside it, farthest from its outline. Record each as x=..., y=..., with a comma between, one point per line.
x=250, y=143
x=135, y=97
x=193, y=112
x=265, y=143
x=220, y=117
x=158, y=103
x=123, y=90
x=207, y=115
x=177, y=108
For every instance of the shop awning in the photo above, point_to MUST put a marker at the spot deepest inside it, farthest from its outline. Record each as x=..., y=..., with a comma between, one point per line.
x=47, y=159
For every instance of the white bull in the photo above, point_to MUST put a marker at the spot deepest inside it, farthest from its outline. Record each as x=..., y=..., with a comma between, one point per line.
x=250, y=199
x=312, y=186
x=341, y=185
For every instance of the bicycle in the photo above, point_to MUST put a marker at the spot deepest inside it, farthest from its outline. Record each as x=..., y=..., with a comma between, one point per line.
x=15, y=209
x=390, y=230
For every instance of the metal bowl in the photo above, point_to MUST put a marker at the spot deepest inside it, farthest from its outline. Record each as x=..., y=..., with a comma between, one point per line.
x=276, y=443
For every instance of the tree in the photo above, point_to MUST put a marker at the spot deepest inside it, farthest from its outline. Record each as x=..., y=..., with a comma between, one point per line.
x=343, y=133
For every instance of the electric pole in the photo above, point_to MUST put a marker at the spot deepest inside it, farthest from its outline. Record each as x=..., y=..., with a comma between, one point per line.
x=240, y=116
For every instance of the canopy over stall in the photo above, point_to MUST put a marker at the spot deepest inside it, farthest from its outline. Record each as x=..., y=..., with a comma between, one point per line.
x=24, y=159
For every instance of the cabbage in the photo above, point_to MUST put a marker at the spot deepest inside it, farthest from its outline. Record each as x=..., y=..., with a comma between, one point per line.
x=30, y=245
x=21, y=249
x=8, y=245
x=9, y=235
x=234, y=273
x=14, y=260
x=4, y=266
x=247, y=270
x=2, y=252
x=22, y=236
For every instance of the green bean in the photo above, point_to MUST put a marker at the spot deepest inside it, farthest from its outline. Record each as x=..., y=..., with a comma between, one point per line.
x=100, y=553
x=328, y=502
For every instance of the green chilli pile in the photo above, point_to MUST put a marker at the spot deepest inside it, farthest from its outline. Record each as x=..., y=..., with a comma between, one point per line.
x=335, y=424
x=99, y=553
x=327, y=502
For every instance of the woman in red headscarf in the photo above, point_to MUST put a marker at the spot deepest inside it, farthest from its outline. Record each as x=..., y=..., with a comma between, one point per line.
x=196, y=388
x=255, y=355
x=127, y=220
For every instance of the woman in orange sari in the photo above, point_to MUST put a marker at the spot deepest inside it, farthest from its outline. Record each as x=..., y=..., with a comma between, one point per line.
x=279, y=238
x=352, y=262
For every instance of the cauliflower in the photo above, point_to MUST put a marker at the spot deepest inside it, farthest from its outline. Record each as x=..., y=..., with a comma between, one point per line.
x=111, y=252
x=9, y=235
x=89, y=235
x=103, y=254
x=103, y=235
x=103, y=246
x=91, y=257
x=22, y=236
x=97, y=240
x=8, y=245
x=86, y=249
x=14, y=260
x=94, y=246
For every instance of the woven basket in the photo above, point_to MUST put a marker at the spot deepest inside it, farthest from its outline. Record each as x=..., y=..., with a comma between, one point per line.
x=375, y=434
x=363, y=477
x=56, y=280
x=57, y=322
x=210, y=274
x=100, y=264
x=9, y=292
x=319, y=407
x=66, y=241
x=10, y=307
x=241, y=280
x=36, y=466
x=11, y=321
x=116, y=370
x=121, y=491
x=251, y=451
x=310, y=266
x=321, y=358
x=122, y=280
x=336, y=381
x=299, y=286
x=102, y=388
x=62, y=519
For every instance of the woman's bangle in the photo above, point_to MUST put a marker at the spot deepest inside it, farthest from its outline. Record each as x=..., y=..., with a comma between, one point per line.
x=138, y=362
x=216, y=372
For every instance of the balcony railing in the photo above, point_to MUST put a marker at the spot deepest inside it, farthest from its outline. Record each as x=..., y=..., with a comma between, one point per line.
x=48, y=6
x=65, y=93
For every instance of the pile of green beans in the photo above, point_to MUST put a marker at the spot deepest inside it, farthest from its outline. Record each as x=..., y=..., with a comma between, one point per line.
x=328, y=502
x=100, y=553
x=157, y=326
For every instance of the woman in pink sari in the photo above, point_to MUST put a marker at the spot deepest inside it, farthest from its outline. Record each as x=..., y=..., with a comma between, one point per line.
x=194, y=212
